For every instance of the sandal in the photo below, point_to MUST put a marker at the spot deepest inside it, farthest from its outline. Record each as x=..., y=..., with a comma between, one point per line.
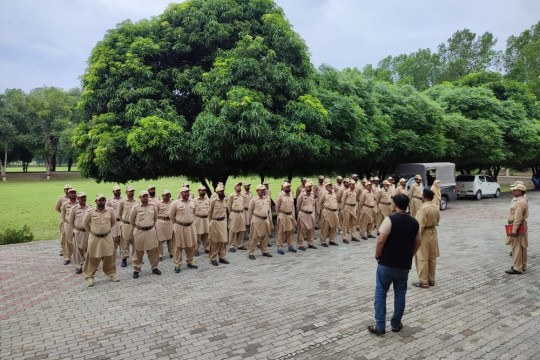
x=397, y=329
x=373, y=329
x=420, y=285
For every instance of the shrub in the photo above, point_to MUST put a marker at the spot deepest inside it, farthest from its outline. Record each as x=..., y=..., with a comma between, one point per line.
x=14, y=236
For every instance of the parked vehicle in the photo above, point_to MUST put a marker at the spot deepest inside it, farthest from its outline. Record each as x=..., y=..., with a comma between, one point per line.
x=477, y=186
x=443, y=171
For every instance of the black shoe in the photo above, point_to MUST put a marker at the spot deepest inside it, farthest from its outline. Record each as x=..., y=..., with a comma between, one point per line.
x=242, y=248
x=373, y=329
x=192, y=266
x=67, y=262
x=312, y=247
x=267, y=255
x=62, y=254
x=252, y=257
x=176, y=269
x=215, y=263
x=171, y=256
x=364, y=237
x=302, y=248
x=513, y=271
x=161, y=258
x=78, y=271
x=355, y=239
x=223, y=261
x=324, y=245
x=333, y=243
x=345, y=241
x=135, y=275
x=124, y=263
x=397, y=329
x=156, y=271
x=197, y=253
x=232, y=250
x=269, y=245
x=207, y=251
x=371, y=236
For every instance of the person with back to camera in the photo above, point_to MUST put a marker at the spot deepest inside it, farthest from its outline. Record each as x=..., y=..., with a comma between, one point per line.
x=517, y=217
x=398, y=241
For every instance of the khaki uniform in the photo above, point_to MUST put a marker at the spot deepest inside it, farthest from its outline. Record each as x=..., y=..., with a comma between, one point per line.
x=124, y=209
x=201, y=223
x=80, y=235
x=67, y=236
x=392, y=189
x=349, y=206
x=318, y=190
x=217, y=213
x=518, y=214
x=306, y=218
x=366, y=204
x=100, y=243
x=329, y=215
x=259, y=232
x=116, y=231
x=164, y=227
x=401, y=190
x=237, y=220
x=426, y=256
x=247, y=196
x=286, y=221
x=299, y=190
x=154, y=200
x=384, y=205
x=375, y=189
x=143, y=219
x=436, y=194
x=185, y=236
x=58, y=207
x=339, y=189
x=415, y=198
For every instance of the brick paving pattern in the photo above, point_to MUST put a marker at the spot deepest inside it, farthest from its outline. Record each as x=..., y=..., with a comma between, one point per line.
x=310, y=305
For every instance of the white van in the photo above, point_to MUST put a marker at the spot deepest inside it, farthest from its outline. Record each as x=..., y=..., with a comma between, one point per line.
x=477, y=186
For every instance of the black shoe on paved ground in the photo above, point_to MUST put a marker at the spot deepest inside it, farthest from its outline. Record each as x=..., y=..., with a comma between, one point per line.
x=371, y=236
x=62, y=254
x=124, y=263
x=269, y=245
x=78, y=271
x=135, y=275
x=355, y=239
x=333, y=243
x=267, y=254
x=373, y=329
x=364, y=237
x=224, y=261
x=312, y=247
x=161, y=258
x=67, y=262
x=513, y=271
x=156, y=271
x=206, y=251
x=242, y=248
x=345, y=241
x=192, y=266
x=302, y=248
x=252, y=257
x=171, y=256
x=511, y=268
x=215, y=263
x=232, y=250
x=397, y=329
x=197, y=253
x=324, y=245
x=176, y=269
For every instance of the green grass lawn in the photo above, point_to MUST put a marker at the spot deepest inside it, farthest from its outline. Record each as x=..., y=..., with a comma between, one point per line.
x=32, y=202
x=12, y=169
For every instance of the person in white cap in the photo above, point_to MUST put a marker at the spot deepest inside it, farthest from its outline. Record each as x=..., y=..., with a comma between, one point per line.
x=237, y=220
x=383, y=199
x=301, y=187
x=98, y=222
x=518, y=237
x=68, y=229
x=152, y=195
x=116, y=231
x=80, y=235
x=348, y=208
x=306, y=217
x=329, y=214
x=217, y=213
x=366, y=203
x=415, y=195
x=402, y=188
x=58, y=207
x=164, y=224
x=202, y=205
x=285, y=219
x=392, y=186
x=259, y=212
x=375, y=186
x=185, y=237
x=124, y=209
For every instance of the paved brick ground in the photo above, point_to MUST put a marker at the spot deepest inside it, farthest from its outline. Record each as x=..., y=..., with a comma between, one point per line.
x=312, y=305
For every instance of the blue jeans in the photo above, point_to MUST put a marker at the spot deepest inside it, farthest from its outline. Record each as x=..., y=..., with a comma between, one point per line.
x=386, y=276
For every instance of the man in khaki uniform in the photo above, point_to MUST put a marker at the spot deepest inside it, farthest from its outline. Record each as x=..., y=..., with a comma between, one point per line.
x=80, y=235
x=259, y=212
x=164, y=224
x=384, y=203
x=202, y=205
x=306, y=217
x=402, y=188
x=68, y=229
x=98, y=222
x=185, y=237
x=116, y=231
x=152, y=195
x=329, y=216
x=415, y=195
x=318, y=191
x=58, y=207
x=517, y=216
x=237, y=221
x=366, y=204
x=246, y=196
x=301, y=187
x=124, y=209
x=285, y=219
x=217, y=213
x=375, y=186
x=348, y=208
x=426, y=256
x=339, y=189
x=392, y=186
x=143, y=219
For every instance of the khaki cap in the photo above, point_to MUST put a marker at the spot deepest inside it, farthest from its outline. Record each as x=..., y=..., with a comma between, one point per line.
x=519, y=187
x=368, y=183
x=201, y=187
x=67, y=186
x=437, y=181
x=130, y=188
x=72, y=190
x=238, y=183
x=143, y=192
x=165, y=192
x=247, y=183
x=386, y=182
x=346, y=180
x=354, y=175
x=321, y=177
x=261, y=187
x=339, y=178
x=116, y=187
x=309, y=183
x=100, y=196
x=304, y=179
x=81, y=194
x=285, y=184
x=151, y=187
x=265, y=182
x=402, y=180
x=327, y=182
x=390, y=178
x=417, y=177
x=185, y=184
x=352, y=182
x=219, y=188
x=376, y=178
x=363, y=180
x=517, y=182
x=184, y=188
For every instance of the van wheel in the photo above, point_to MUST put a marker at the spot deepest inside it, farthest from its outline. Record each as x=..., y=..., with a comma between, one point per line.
x=444, y=203
x=478, y=195
x=497, y=193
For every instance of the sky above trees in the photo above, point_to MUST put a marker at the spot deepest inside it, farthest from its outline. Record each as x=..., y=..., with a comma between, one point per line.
x=49, y=42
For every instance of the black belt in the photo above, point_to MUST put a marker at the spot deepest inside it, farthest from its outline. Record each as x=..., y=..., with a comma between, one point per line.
x=183, y=224
x=369, y=206
x=219, y=219
x=286, y=213
x=350, y=204
x=80, y=229
x=118, y=219
x=245, y=208
x=144, y=228
x=164, y=218
x=100, y=235
x=126, y=222
x=261, y=217
x=330, y=209
x=385, y=203
x=429, y=227
x=201, y=216
x=307, y=212
x=238, y=211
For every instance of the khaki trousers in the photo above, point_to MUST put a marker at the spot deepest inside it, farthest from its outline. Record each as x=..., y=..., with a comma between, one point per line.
x=152, y=255
x=426, y=264
x=177, y=257
x=304, y=233
x=92, y=263
x=78, y=255
x=125, y=247
x=67, y=245
x=284, y=236
x=327, y=231
x=519, y=255
x=170, y=247
x=349, y=225
x=366, y=225
x=217, y=249
x=117, y=244
x=236, y=239
x=254, y=240
x=202, y=239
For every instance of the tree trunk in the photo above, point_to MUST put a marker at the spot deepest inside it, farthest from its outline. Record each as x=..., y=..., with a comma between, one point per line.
x=53, y=162
x=493, y=171
x=262, y=177
x=70, y=163
x=47, y=167
x=3, y=163
x=290, y=174
x=536, y=171
x=25, y=166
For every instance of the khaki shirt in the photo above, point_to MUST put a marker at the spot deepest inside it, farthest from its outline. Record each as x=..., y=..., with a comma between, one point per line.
x=306, y=210
x=154, y=200
x=428, y=218
x=237, y=221
x=318, y=190
x=339, y=189
x=246, y=196
x=99, y=223
x=76, y=221
x=144, y=216
x=285, y=212
x=329, y=206
x=183, y=215
x=348, y=202
x=217, y=214
x=367, y=204
x=113, y=203
x=124, y=209
x=518, y=215
x=259, y=213
x=201, y=215
x=300, y=189
x=164, y=224
x=384, y=201
x=401, y=190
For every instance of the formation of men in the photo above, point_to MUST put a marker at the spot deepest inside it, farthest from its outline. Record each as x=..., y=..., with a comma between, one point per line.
x=217, y=224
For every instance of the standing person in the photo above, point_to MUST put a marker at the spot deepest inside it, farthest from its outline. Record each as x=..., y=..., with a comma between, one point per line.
x=392, y=186
x=285, y=219
x=402, y=187
x=80, y=235
x=116, y=231
x=348, y=209
x=99, y=222
x=237, y=221
x=318, y=191
x=124, y=209
x=164, y=225
x=306, y=217
x=329, y=217
x=437, y=192
x=259, y=211
x=217, y=213
x=246, y=196
x=152, y=195
x=366, y=203
x=375, y=186
x=143, y=219
x=202, y=205
x=398, y=241
x=300, y=187
x=182, y=212
x=339, y=189
x=68, y=229
x=426, y=257
x=518, y=237
x=384, y=203
x=58, y=207
x=415, y=195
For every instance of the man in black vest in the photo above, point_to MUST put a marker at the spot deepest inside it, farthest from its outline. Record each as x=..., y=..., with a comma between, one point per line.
x=398, y=241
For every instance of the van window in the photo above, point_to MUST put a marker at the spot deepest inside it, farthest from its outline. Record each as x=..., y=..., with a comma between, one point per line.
x=465, y=178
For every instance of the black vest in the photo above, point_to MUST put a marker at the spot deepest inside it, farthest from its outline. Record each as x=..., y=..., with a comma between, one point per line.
x=399, y=246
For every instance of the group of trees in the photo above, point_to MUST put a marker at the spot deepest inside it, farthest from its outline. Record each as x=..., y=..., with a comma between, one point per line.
x=212, y=88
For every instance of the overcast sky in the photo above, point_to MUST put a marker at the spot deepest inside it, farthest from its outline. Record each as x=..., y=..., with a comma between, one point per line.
x=47, y=42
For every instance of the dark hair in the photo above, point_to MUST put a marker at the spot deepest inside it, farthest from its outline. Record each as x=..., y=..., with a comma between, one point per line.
x=428, y=194
x=401, y=201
